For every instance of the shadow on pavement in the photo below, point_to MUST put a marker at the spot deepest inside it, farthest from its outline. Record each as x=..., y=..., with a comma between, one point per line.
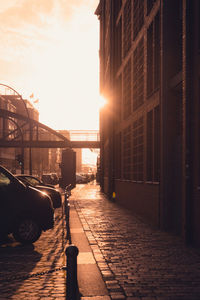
x=16, y=263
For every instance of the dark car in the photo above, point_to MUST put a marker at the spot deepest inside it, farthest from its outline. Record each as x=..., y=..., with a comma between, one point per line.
x=50, y=178
x=48, y=189
x=81, y=178
x=24, y=211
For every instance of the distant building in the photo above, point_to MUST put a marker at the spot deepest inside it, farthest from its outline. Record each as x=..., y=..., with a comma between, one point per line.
x=150, y=127
x=8, y=156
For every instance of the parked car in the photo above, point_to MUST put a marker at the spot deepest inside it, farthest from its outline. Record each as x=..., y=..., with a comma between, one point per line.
x=51, y=191
x=55, y=178
x=81, y=179
x=24, y=211
x=50, y=178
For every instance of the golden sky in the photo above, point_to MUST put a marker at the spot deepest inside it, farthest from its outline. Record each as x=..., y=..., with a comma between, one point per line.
x=50, y=48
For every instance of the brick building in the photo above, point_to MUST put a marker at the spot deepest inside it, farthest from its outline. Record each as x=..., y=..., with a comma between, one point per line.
x=150, y=127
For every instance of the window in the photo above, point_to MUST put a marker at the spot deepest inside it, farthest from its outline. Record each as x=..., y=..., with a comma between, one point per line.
x=31, y=180
x=150, y=4
x=118, y=98
x=118, y=156
x=157, y=52
x=127, y=90
x=127, y=153
x=150, y=59
x=157, y=144
x=138, y=149
x=138, y=75
x=150, y=146
x=118, y=45
x=153, y=145
x=138, y=17
x=153, y=55
x=117, y=6
x=127, y=27
x=106, y=161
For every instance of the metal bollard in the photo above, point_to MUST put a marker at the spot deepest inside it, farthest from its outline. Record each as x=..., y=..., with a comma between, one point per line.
x=67, y=211
x=72, y=282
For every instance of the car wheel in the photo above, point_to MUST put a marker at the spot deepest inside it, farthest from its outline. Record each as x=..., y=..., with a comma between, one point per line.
x=27, y=231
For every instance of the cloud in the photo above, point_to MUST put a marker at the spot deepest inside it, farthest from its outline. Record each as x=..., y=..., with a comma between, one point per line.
x=26, y=12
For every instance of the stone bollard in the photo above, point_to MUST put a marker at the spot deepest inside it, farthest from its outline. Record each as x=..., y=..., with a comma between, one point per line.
x=72, y=282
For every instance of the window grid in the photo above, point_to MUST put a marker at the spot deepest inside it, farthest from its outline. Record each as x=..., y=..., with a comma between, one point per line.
x=118, y=156
x=127, y=27
x=150, y=59
x=150, y=4
x=117, y=7
x=153, y=145
x=157, y=51
x=138, y=76
x=127, y=153
x=153, y=55
x=149, y=153
x=118, y=98
x=138, y=150
x=127, y=90
x=118, y=45
x=138, y=17
x=157, y=144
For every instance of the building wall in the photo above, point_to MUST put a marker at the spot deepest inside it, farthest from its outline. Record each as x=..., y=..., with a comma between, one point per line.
x=138, y=196
x=7, y=156
x=149, y=72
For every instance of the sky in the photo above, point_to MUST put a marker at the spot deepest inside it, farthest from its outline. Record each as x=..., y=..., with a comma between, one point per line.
x=50, y=51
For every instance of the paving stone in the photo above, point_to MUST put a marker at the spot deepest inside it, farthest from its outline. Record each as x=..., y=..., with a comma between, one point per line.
x=146, y=263
x=46, y=254
x=117, y=296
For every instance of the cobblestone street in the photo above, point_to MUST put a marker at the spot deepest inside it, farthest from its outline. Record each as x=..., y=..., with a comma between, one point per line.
x=136, y=261
x=17, y=262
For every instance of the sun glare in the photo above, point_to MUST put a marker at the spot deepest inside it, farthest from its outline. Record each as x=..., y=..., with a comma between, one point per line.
x=60, y=67
x=102, y=102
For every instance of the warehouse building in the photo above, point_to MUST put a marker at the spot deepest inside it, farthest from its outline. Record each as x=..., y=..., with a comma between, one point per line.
x=150, y=126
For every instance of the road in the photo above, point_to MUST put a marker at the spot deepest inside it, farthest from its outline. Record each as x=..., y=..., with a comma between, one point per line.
x=135, y=261
x=18, y=263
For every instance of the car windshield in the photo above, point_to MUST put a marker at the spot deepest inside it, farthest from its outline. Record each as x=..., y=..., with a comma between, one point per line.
x=33, y=181
x=7, y=177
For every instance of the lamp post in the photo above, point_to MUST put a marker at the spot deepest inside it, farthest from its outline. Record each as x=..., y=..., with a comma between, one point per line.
x=30, y=134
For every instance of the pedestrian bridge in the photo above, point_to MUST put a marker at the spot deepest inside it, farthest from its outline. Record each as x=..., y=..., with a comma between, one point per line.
x=19, y=131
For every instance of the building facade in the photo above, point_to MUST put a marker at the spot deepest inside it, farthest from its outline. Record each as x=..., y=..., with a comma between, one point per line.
x=8, y=156
x=150, y=126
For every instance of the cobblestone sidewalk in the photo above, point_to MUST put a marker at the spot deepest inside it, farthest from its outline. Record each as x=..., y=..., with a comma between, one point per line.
x=136, y=261
x=21, y=261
